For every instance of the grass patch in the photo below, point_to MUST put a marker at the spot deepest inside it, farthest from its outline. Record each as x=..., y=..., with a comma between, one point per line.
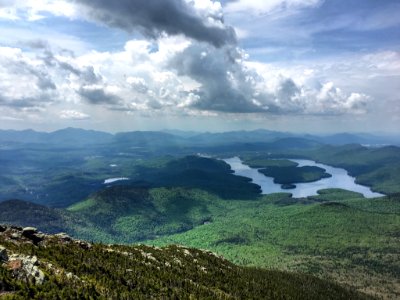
x=83, y=205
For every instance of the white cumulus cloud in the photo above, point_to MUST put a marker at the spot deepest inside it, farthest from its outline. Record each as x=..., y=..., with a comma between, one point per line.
x=179, y=77
x=261, y=7
x=73, y=115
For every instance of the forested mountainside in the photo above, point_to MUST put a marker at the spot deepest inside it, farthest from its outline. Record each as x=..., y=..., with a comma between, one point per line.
x=39, y=266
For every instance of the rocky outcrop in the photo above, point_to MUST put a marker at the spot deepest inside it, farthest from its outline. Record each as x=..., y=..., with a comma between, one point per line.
x=27, y=231
x=28, y=268
x=3, y=254
x=63, y=236
x=31, y=235
x=25, y=268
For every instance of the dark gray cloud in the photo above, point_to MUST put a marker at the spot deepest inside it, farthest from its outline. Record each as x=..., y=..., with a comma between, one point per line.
x=45, y=83
x=25, y=84
x=288, y=95
x=98, y=96
x=16, y=103
x=86, y=74
x=25, y=103
x=37, y=86
x=43, y=79
x=155, y=17
x=37, y=44
x=40, y=74
x=226, y=85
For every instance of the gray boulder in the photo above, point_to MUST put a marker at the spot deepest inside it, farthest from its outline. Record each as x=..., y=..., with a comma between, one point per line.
x=3, y=254
x=27, y=231
x=26, y=268
x=63, y=236
x=15, y=235
x=32, y=234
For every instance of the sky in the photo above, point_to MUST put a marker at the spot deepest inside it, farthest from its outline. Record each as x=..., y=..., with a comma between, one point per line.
x=316, y=66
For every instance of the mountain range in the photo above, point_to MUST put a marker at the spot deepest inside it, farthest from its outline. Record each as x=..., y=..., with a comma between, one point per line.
x=75, y=136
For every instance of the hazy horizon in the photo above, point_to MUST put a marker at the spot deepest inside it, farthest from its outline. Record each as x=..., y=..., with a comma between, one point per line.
x=175, y=131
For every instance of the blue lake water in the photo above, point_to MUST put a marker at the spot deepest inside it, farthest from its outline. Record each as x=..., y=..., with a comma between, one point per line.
x=112, y=180
x=340, y=179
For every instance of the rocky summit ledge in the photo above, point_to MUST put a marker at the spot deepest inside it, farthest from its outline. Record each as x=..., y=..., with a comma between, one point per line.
x=27, y=268
x=24, y=268
x=30, y=235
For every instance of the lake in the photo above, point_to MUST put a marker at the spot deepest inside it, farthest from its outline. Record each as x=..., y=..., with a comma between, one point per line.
x=340, y=179
x=112, y=180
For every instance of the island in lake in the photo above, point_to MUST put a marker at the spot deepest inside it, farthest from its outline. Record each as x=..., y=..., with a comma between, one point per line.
x=287, y=172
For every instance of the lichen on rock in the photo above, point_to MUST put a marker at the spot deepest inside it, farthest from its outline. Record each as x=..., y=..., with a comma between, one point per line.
x=25, y=268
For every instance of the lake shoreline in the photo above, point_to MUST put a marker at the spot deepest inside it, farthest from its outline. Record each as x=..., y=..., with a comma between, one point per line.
x=340, y=179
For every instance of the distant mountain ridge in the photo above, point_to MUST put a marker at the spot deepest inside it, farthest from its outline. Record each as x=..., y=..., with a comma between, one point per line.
x=75, y=136
x=71, y=136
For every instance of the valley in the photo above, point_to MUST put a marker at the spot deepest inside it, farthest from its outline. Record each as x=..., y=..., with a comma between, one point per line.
x=339, y=223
